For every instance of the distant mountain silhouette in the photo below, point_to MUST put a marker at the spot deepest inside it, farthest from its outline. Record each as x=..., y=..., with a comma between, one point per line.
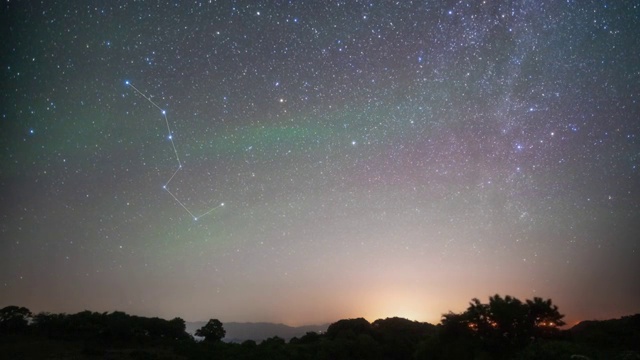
x=631, y=321
x=622, y=333
x=239, y=332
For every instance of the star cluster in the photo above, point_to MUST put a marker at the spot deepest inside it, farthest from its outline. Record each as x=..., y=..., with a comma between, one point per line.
x=375, y=158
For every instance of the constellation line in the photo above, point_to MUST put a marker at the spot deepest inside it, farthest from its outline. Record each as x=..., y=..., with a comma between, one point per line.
x=175, y=151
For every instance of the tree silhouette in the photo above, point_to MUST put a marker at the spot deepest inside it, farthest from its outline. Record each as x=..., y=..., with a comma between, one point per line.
x=504, y=324
x=505, y=328
x=399, y=337
x=212, y=331
x=175, y=329
x=544, y=317
x=349, y=328
x=14, y=319
x=508, y=320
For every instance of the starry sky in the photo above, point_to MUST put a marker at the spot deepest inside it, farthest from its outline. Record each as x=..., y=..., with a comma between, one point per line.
x=374, y=158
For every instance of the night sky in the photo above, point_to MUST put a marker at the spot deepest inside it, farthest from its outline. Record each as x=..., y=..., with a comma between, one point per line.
x=374, y=158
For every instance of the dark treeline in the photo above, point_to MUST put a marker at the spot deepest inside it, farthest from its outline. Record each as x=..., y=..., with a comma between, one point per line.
x=503, y=328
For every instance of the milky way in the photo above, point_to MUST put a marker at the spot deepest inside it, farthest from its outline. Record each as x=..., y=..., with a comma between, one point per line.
x=375, y=158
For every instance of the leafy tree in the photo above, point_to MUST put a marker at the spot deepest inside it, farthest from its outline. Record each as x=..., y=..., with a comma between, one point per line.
x=212, y=331
x=14, y=319
x=507, y=321
x=349, y=328
x=504, y=324
x=477, y=318
x=399, y=337
x=176, y=329
x=249, y=344
x=310, y=337
x=55, y=326
x=274, y=342
x=458, y=337
x=543, y=317
x=274, y=348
